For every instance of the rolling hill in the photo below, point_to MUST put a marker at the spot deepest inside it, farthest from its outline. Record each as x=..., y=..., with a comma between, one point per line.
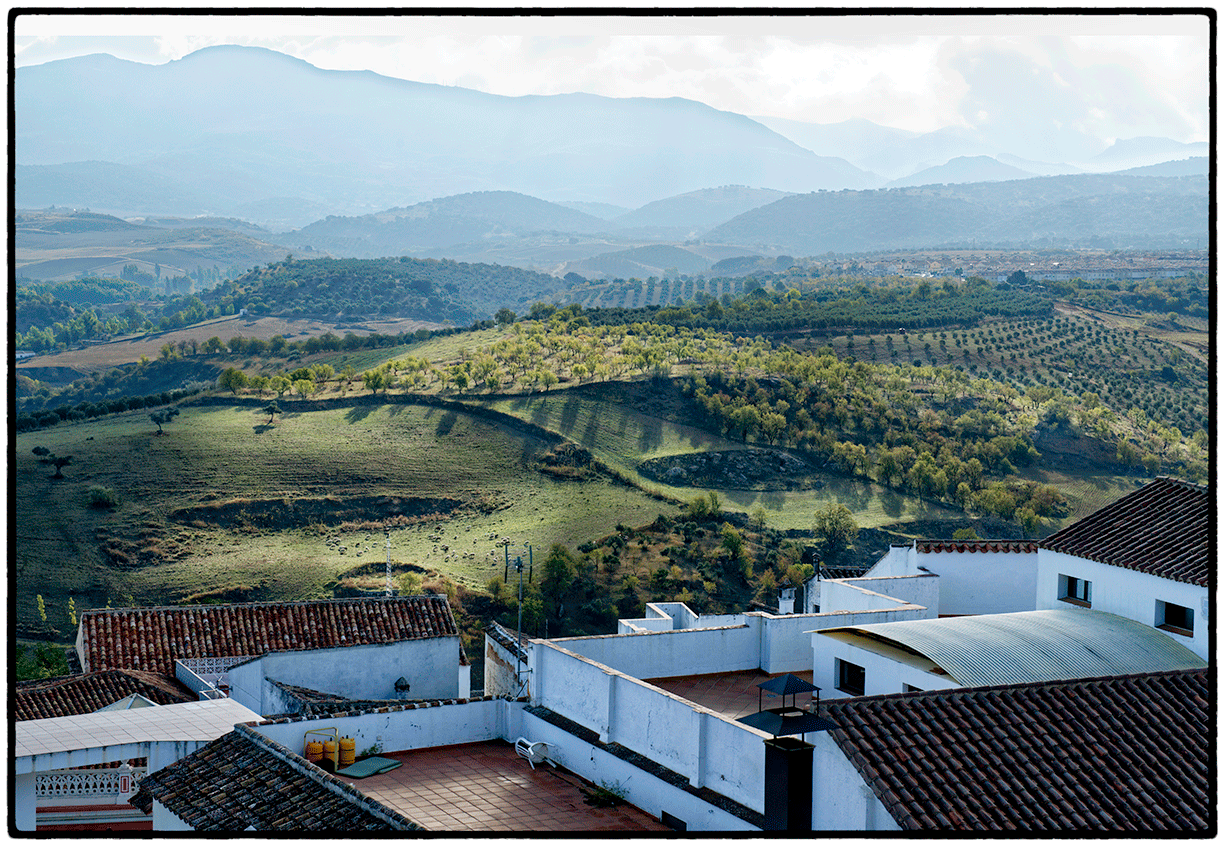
x=54, y=245
x=1097, y=210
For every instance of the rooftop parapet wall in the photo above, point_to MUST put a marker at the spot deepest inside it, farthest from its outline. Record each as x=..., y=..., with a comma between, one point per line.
x=705, y=747
x=888, y=593
x=398, y=728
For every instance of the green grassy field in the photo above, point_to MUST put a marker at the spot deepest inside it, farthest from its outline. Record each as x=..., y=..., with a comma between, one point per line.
x=214, y=455
x=623, y=437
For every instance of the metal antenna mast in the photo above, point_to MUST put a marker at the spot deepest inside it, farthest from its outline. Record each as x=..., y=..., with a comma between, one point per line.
x=388, y=535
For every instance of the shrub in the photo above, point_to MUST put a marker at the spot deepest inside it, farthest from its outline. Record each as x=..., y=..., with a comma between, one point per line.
x=100, y=497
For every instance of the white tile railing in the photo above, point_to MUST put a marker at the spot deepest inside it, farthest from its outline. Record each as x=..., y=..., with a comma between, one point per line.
x=122, y=781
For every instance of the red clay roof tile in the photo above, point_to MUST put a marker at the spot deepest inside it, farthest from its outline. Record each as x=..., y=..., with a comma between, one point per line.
x=1163, y=529
x=1041, y=756
x=153, y=638
x=65, y=696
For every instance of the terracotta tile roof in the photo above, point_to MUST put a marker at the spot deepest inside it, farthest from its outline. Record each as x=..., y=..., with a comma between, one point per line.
x=1163, y=529
x=65, y=696
x=1004, y=545
x=243, y=780
x=153, y=638
x=1123, y=753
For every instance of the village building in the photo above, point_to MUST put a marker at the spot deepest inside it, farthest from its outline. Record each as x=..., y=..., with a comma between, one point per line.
x=1094, y=715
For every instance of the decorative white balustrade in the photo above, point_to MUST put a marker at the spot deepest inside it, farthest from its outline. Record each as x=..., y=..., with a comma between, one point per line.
x=123, y=781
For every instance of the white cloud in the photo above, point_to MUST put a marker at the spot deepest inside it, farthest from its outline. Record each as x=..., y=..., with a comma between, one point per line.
x=1117, y=75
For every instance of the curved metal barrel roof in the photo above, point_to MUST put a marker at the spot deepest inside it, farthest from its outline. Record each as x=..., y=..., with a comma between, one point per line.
x=1031, y=646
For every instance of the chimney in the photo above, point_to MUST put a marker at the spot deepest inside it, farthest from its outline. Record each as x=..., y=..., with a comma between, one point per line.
x=786, y=599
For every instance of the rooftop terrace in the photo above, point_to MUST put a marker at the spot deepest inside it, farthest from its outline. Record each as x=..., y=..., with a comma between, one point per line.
x=488, y=787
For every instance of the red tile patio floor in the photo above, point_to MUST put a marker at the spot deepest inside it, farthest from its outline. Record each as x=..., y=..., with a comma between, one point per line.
x=488, y=787
x=732, y=694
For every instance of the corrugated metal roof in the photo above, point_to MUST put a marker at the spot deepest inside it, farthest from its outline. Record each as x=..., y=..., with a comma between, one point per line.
x=1030, y=646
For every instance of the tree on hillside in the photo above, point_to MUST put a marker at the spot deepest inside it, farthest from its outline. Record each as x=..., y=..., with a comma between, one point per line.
x=60, y=462
x=558, y=574
x=834, y=525
x=271, y=409
x=374, y=380
x=505, y=317
x=233, y=379
x=163, y=416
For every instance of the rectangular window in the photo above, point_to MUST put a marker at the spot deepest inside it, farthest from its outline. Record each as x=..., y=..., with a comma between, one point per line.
x=1075, y=590
x=1174, y=618
x=851, y=678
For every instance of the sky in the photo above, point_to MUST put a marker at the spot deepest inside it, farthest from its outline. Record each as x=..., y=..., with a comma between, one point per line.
x=1103, y=77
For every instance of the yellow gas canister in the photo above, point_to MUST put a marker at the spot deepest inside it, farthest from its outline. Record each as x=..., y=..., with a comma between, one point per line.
x=329, y=751
x=314, y=751
x=348, y=751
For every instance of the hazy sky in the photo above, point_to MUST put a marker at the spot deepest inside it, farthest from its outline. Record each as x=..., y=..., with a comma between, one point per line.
x=1099, y=76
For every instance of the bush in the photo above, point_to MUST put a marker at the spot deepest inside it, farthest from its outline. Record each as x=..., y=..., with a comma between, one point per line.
x=100, y=497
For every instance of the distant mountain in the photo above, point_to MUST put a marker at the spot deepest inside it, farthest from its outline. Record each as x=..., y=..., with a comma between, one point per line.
x=1082, y=210
x=931, y=149
x=105, y=186
x=1193, y=166
x=239, y=125
x=1146, y=150
x=604, y=211
x=853, y=140
x=698, y=210
x=963, y=169
x=441, y=223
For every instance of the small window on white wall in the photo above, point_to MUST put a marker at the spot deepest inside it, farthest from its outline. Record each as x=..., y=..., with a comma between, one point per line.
x=1075, y=590
x=1174, y=618
x=851, y=678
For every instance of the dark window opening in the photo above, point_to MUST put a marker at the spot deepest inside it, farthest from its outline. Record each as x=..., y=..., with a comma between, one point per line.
x=1174, y=618
x=1075, y=590
x=851, y=678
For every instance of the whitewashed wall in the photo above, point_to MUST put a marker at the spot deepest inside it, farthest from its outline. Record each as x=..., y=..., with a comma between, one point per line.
x=683, y=737
x=355, y=672
x=653, y=655
x=883, y=674
x=841, y=800
x=400, y=730
x=651, y=794
x=881, y=594
x=166, y=820
x=1127, y=593
x=983, y=582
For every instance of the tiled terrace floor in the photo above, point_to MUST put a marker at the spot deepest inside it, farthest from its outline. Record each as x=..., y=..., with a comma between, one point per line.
x=732, y=694
x=488, y=787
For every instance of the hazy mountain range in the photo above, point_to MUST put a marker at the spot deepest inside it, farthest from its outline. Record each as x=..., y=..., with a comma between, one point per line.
x=289, y=156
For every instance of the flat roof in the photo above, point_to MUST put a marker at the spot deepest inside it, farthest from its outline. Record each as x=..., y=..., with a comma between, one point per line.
x=201, y=721
x=1026, y=646
x=732, y=694
x=488, y=787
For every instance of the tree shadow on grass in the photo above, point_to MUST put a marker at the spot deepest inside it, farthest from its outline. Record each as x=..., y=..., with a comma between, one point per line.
x=261, y=428
x=358, y=413
x=446, y=423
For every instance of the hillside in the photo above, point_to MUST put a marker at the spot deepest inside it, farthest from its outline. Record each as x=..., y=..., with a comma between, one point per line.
x=55, y=245
x=1082, y=210
x=204, y=123
x=641, y=262
x=698, y=210
x=963, y=169
x=424, y=289
x=442, y=222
